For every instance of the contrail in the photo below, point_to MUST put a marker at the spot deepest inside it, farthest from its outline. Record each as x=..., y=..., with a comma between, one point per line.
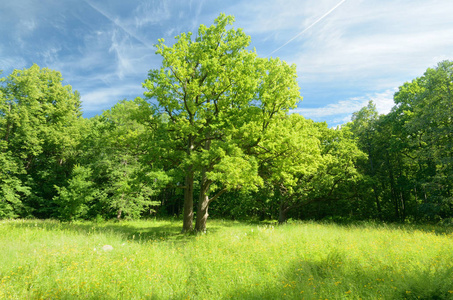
x=313, y=24
x=117, y=23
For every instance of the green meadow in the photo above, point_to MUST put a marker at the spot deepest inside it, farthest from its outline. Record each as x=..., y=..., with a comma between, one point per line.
x=233, y=260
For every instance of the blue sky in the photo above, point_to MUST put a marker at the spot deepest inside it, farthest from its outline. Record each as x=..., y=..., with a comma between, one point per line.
x=347, y=52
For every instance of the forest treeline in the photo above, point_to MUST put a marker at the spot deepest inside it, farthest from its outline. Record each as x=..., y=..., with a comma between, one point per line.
x=214, y=130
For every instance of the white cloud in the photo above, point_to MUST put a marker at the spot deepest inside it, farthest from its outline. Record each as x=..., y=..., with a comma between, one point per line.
x=120, y=24
x=309, y=26
x=384, y=101
x=339, y=108
x=363, y=48
x=197, y=9
x=120, y=46
x=50, y=54
x=151, y=13
x=341, y=111
x=28, y=25
x=7, y=64
x=369, y=40
x=367, y=44
x=279, y=19
x=104, y=98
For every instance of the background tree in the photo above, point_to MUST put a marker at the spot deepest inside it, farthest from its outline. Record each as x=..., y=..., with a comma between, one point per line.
x=318, y=165
x=12, y=190
x=114, y=150
x=409, y=153
x=425, y=107
x=41, y=126
x=74, y=199
x=363, y=127
x=289, y=151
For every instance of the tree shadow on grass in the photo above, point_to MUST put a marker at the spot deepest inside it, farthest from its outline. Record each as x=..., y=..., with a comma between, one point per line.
x=437, y=229
x=132, y=231
x=338, y=277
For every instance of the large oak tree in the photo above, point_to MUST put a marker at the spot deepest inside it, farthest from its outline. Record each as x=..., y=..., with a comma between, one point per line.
x=220, y=99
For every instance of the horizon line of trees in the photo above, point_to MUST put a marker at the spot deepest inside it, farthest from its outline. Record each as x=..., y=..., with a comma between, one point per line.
x=215, y=123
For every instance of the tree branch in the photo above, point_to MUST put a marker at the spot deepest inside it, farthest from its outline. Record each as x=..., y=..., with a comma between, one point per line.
x=220, y=193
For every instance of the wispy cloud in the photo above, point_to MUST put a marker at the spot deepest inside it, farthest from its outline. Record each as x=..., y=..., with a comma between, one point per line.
x=117, y=22
x=104, y=98
x=7, y=64
x=50, y=54
x=119, y=46
x=275, y=18
x=339, y=108
x=151, y=13
x=196, y=7
x=308, y=27
x=28, y=25
x=341, y=111
x=368, y=41
x=347, y=52
x=367, y=47
x=361, y=39
x=131, y=59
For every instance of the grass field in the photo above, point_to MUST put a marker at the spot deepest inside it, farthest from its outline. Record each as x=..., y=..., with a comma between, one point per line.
x=152, y=260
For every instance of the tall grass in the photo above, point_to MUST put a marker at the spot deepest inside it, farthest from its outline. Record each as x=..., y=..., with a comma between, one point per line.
x=152, y=260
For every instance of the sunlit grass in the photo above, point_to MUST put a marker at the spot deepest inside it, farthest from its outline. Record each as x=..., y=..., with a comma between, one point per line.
x=152, y=260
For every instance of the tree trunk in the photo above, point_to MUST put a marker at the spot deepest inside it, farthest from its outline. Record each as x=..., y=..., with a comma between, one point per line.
x=282, y=216
x=188, y=191
x=120, y=210
x=376, y=196
x=378, y=203
x=283, y=209
x=403, y=206
x=203, y=204
x=393, y=188
x=188, y=202
x=202, y=213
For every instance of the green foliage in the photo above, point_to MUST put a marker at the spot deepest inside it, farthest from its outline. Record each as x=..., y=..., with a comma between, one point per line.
x=11, y=188
x=306, y=162
x=409, y=169
x=74, y=199
x=40, y=128
x=113, y=149
x=57, y=164
x=39, y=111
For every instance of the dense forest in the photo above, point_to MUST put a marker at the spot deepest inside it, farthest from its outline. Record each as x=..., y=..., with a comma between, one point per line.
x=214, y=131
